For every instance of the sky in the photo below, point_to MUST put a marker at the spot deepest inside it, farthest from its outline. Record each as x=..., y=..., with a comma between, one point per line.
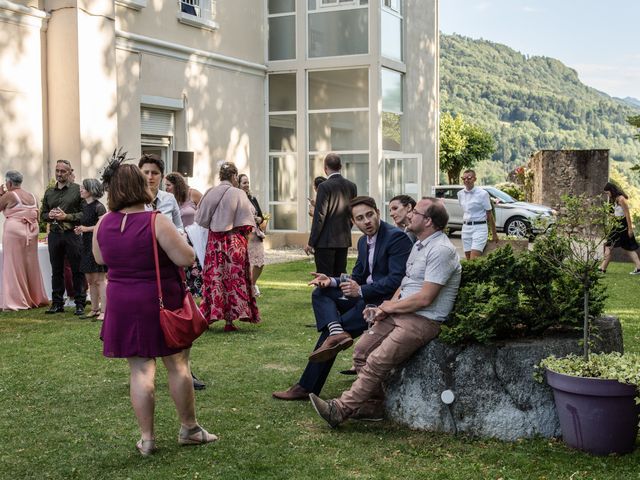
x=600, y=39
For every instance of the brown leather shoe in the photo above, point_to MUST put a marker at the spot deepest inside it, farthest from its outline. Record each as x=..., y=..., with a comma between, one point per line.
x=297, y=392
x=327, y=410
x=331, y=346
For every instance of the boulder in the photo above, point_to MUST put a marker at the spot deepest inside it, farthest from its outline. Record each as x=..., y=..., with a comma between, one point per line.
x=495, y=393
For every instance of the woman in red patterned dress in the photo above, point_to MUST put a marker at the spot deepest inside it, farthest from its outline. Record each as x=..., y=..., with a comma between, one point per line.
x=226, y=275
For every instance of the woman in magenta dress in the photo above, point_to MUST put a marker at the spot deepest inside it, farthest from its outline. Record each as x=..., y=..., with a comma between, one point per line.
x=226, y=291
x=131, y=327
x=22, y=285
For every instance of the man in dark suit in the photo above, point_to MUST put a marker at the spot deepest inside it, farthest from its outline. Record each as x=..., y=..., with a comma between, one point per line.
x=330, y=235
x=382, y=256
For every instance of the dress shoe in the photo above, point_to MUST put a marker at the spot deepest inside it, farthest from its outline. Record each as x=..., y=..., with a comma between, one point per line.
x=350, y=371
x=297, y=392
x=197, y=384
x=369, y=412
x=331, y=346
x=55, y=309
x=327, y=410
x=79, y=310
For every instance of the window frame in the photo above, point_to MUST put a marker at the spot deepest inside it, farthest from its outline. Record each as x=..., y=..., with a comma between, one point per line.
x=205, y=18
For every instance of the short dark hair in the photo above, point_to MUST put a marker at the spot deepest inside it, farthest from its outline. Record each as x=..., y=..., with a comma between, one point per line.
x=128, y=187
x=614, y=190
x=469, y=170
x=180, y=188
x=404, y=200
x=317, y=181
x=152, y=158
x=362, y=200
x=227, y=171
x=332, y=162
x=437, y=212
x=93, y=186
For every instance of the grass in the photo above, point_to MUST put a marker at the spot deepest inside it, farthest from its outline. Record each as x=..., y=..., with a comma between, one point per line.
x=65, y=412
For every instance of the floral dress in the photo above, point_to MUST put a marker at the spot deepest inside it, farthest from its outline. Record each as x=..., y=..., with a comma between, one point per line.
x=226, y=291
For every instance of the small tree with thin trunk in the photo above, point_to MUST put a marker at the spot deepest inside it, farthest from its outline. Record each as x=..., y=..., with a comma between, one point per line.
x=462, y=145
x=579, y=234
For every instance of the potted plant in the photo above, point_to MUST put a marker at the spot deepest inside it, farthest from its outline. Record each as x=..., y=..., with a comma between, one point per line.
x=596, y=395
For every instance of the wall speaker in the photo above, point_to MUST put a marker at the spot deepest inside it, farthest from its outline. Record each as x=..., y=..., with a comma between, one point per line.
x=183, y=163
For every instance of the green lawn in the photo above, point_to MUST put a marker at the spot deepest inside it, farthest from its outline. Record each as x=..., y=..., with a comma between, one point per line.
x=65, y=412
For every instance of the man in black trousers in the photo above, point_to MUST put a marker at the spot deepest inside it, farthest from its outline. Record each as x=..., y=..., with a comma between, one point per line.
x=62, y=209
x=330, y=236
x=382, y=257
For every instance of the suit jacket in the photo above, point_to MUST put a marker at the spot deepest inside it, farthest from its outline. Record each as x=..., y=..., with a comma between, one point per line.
x=389, y=263
x=331, y=226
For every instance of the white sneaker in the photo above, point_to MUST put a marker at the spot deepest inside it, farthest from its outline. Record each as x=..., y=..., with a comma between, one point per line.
x=69, y=302
x=635, y=272
x=256, y=291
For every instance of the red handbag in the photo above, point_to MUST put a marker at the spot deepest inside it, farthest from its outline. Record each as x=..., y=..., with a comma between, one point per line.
x=182, y=326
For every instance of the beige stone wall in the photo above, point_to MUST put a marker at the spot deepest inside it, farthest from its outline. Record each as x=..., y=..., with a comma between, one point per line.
x=22, y=94
x=421, y=98
x=568, y=172
x=240, y=33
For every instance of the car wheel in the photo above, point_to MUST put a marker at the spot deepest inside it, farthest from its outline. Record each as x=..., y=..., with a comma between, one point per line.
x=518, y=227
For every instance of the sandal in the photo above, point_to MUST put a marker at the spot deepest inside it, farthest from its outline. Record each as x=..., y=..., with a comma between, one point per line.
x=146, y=447
x=91, y=314
x=195, y=436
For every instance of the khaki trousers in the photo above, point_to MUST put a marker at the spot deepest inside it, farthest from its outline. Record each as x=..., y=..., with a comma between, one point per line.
x=394, y=340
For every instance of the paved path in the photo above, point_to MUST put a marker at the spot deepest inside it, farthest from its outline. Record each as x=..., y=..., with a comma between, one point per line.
x=289, y=254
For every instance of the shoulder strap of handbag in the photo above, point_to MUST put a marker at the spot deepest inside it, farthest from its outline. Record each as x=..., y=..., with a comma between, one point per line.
x=155, y=256
x=154, y=240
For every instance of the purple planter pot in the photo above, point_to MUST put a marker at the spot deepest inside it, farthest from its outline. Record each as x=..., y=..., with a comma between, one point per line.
x=596, y=416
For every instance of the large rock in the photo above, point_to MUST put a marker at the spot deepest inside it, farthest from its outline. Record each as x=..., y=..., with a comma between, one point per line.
x=495, y=393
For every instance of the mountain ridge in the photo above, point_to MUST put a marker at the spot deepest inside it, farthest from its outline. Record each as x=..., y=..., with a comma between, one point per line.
x=530, y=103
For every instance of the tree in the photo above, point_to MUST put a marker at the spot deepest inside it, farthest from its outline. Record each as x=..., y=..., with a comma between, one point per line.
x=462, y=144
x=635, y=122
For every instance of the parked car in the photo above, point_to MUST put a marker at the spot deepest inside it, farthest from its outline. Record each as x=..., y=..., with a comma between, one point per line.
x=516, y=219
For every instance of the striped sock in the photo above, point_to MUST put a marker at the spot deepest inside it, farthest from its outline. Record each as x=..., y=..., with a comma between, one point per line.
x=335, y=328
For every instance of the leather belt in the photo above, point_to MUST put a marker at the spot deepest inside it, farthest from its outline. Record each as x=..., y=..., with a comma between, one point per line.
x=477, y=222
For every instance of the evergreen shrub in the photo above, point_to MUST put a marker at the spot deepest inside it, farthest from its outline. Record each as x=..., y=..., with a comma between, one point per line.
x=505, y=296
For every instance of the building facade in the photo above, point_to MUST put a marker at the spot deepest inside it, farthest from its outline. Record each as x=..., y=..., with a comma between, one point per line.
x=271, y=85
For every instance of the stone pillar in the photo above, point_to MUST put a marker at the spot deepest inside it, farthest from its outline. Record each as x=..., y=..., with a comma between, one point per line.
x=568, y=172
x=82, y=87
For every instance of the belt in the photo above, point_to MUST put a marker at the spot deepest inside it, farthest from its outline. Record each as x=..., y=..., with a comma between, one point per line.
x=477, y=222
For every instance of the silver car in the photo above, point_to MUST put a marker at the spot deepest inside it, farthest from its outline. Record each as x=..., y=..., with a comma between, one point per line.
x=516, y=219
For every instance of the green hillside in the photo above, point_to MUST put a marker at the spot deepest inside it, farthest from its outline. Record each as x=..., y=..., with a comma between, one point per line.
x=530, y=103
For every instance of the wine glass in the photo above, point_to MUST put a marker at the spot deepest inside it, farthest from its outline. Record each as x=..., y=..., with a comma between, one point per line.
x=344, y=277
x=369, y=314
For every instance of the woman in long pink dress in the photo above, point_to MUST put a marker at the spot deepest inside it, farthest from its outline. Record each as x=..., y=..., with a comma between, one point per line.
x=22, y=285
x=226, y=275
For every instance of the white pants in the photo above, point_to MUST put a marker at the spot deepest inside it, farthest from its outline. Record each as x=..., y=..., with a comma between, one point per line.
x=474, y=237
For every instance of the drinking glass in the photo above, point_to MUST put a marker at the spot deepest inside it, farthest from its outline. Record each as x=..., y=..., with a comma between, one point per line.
x=370, y=312
x=344, y=277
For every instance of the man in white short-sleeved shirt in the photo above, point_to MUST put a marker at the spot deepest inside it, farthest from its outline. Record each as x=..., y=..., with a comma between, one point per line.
x=408, y=321
x=476, y=205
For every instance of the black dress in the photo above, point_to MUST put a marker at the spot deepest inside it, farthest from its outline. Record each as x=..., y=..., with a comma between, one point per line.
x=91, y=212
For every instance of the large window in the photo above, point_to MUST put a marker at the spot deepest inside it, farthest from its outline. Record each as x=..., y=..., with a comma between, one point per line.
x=391, y=110
x=391, y=29
x=282, y=29
x=282, y=151
x=338, y=121
x=338, y=27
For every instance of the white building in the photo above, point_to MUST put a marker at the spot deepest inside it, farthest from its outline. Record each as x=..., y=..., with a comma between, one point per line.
x=270, y=85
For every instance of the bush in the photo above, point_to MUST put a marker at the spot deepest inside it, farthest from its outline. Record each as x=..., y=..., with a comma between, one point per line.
x=512, y=189
x=505, y=296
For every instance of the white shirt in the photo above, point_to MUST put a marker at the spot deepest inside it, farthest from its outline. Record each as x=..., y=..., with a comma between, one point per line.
x=167, y=205
x=371, y=243
x=474, y=203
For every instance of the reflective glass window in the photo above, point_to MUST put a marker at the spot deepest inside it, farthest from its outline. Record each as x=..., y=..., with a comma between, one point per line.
x=338, y=32
x=332, y=89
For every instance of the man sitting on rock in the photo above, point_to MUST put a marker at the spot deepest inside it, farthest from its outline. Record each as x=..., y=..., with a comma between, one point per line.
x=408, y=321
x=382, y=255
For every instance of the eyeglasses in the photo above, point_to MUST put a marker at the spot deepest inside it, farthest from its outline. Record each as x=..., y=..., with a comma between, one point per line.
x=424, y=215
x=467, y=178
